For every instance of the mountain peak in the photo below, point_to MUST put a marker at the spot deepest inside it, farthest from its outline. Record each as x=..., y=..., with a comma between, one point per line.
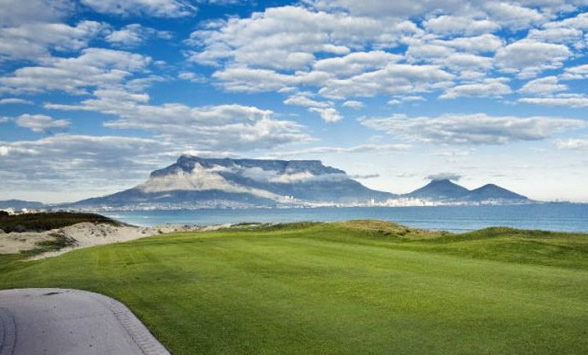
x=494, y=192
x=440, y=189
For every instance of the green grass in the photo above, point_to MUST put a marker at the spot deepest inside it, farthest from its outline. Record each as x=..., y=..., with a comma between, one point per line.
x=359, y=287
x=39, y=222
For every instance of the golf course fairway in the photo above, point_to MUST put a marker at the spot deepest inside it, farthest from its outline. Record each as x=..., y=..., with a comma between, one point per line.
x=360, y=287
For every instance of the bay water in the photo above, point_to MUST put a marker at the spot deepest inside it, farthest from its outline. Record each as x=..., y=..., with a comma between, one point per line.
x=565, y=217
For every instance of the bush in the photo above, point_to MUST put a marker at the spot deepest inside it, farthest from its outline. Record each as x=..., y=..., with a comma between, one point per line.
x=39, y=222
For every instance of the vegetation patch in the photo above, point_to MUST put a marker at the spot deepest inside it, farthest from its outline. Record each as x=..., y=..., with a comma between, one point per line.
x=58, y=242
x=39, y=222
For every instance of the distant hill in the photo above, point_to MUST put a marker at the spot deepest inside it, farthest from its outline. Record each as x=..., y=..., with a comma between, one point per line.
x=20, y=204
x=493, y=192
x=446, y=190
x=440, y=190
x=194, y=182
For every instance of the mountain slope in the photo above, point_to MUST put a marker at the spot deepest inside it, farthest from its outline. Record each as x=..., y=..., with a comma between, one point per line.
x=445, y=190
x=20, y=204
x=493, y=192
x=440, y=190
x=199, y=182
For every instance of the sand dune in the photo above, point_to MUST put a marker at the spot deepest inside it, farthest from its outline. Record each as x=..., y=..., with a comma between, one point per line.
x=84, y=235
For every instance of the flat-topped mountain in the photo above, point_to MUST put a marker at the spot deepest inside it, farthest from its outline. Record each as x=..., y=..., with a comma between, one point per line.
x=199, y=182
x=446, y=190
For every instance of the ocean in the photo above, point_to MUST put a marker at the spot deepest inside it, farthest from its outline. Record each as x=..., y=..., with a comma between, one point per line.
x=564, y=217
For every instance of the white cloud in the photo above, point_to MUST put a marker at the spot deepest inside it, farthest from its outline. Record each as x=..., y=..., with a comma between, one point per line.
x=495, y=87
x=508, y=13
x=564, y=100
x=485, y=43
x=355, y=63
x=192, y=77
x=529, y=57
x=473, y=129
x=394, y=79
x=397, y=8
x=285, y=37
x=420, y=50
x=555, y=35
x=543, y=86
x=445, y=176
x=465, y=62
x=41, y=123
x=243, y=79
x=95, y=67
x=34, y=41
x=454, y=25
x=154, y=8
x=572, y=144
x=353, y=104
x=17, y=12
x=580, y=22
x=576, y=73
x=397, y=100
x=328, y=115
x=513, y=15
x=304, y=99
x=281, y=47
x=324, y=108
x=364, y=148
x=74, y=165
x=14, y=101
x=223, y=127
x=134, y=35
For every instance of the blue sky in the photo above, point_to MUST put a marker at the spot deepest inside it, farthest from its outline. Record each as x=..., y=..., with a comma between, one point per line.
x=95, y=94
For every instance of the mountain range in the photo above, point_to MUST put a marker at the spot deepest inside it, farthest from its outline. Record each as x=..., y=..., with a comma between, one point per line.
x=447, y=191
x=193, y=182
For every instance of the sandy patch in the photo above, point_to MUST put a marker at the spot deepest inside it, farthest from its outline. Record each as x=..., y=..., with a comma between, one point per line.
x=11, y=243
x=86, y=235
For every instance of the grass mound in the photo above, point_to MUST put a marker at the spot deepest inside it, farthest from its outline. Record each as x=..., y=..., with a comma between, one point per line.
x=389, y=229
x=39, y=222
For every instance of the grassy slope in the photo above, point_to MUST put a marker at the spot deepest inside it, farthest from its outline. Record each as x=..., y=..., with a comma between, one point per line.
x=347, y=288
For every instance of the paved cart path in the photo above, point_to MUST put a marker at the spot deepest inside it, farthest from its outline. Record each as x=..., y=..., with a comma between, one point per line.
x=61, y=322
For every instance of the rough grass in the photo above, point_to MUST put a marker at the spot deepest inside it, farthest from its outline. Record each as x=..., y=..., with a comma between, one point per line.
x=39, y=222
x=358, y=287
x=58, y=242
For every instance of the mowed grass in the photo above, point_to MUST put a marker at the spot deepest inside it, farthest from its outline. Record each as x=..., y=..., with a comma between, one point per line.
x=361, y=287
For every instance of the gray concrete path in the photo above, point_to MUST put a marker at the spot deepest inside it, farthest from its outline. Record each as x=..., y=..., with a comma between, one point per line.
x=70, y=322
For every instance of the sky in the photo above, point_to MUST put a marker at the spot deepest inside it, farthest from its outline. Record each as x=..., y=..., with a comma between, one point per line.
x=96, y=94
